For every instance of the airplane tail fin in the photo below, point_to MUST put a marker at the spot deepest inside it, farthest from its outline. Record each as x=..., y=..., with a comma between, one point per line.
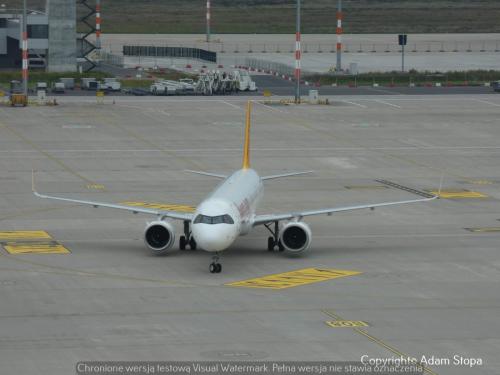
x=246, y=147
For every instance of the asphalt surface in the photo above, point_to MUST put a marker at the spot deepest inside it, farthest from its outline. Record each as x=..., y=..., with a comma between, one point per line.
x=423, y=284
x=279, y=86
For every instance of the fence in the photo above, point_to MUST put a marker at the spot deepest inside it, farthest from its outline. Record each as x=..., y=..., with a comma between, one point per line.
x=349, y=47
x=271, y=66
x=109, y=58
x=183, y=52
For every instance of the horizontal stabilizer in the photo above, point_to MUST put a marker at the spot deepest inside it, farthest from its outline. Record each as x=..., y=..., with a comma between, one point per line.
x=221, y=176
x=272, y=177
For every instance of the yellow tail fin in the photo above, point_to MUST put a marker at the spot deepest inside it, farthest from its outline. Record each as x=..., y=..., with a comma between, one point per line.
x=246, y=149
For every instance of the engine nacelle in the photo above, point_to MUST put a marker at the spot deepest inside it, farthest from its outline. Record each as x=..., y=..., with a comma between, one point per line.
x=159, y=236
x=295, y=237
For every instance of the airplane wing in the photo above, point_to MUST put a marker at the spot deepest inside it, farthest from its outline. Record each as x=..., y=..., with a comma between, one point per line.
x=265, y=219
x=170, y=214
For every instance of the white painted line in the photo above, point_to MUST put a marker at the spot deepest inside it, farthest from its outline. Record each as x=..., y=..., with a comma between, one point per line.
x=231, y=105
x=486, y=102
x=130, y=106
x=287, y=149
x=356, y=104
x=387, y=103
x=271, y=108
x=384, y=91
x=77, y=126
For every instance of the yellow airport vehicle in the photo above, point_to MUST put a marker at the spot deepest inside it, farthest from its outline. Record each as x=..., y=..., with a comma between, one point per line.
x=18, y=100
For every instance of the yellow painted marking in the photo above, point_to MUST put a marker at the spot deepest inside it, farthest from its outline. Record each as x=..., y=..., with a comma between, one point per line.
x=484, y=230
x=99, y=94
x=267, y=93
x=95, y=187
x=293, y=278
x=35, y=248
x=161, y=206
x=377, y=341
x=459, y=194
x=246, y=147
x=346, y=323
x=24, y=235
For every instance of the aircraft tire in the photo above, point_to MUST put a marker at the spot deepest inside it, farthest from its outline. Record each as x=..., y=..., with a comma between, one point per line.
x=192, y=243
x=270, y=244
x=182, y=243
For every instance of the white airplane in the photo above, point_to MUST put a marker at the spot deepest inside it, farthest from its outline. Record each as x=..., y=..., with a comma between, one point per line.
x=229, y=212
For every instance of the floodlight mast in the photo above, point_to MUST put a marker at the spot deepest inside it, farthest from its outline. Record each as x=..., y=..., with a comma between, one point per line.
x=25, y=49
x=339, y=36
x=208, y=20
x=298, y=55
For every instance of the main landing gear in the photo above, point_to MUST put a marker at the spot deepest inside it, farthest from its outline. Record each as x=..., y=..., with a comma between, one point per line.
x=215, y=266
x=274, y=241
x=187, y=240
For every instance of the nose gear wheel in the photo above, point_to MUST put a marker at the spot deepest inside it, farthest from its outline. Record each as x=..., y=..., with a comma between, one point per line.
x=215, y=266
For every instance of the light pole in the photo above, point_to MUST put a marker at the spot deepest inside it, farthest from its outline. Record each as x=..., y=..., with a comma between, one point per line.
x=339, y=36
x=25, y=49
x=208, y=20
x=297, y=55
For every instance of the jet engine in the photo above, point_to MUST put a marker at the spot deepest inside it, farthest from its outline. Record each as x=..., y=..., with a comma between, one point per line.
x=159, y=236
x=295, y=237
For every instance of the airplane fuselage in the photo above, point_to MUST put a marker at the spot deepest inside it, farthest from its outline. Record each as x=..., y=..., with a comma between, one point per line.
x=228, y=211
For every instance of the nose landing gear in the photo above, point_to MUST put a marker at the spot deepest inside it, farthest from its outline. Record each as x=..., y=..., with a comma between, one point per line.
x=215, y=266
x=187, y=240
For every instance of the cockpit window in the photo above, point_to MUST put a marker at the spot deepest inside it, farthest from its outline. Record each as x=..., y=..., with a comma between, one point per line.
x=218, y=220
x=221, y=219
x=228, y=219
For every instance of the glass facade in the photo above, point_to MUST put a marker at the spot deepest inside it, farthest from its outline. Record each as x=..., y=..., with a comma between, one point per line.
x=38, y=31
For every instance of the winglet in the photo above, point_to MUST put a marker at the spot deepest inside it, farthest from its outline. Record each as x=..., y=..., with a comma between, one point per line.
x=246, y=148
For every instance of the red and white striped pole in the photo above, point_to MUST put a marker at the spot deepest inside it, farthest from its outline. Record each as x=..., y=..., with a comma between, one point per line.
x=298, y=55
x=25, y=49
x=339, y=36
x=208, y=21
x=98, y=25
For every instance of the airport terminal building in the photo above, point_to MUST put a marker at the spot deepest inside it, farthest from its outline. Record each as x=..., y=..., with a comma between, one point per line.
x=52, y=38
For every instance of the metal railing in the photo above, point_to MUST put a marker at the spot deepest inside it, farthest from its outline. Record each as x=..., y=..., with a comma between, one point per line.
x=349, y=47
x=272, y=67
x=182, y=52
x=112, y=59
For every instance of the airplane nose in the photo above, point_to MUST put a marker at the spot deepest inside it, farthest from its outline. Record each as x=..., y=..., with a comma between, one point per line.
x=214, y=237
